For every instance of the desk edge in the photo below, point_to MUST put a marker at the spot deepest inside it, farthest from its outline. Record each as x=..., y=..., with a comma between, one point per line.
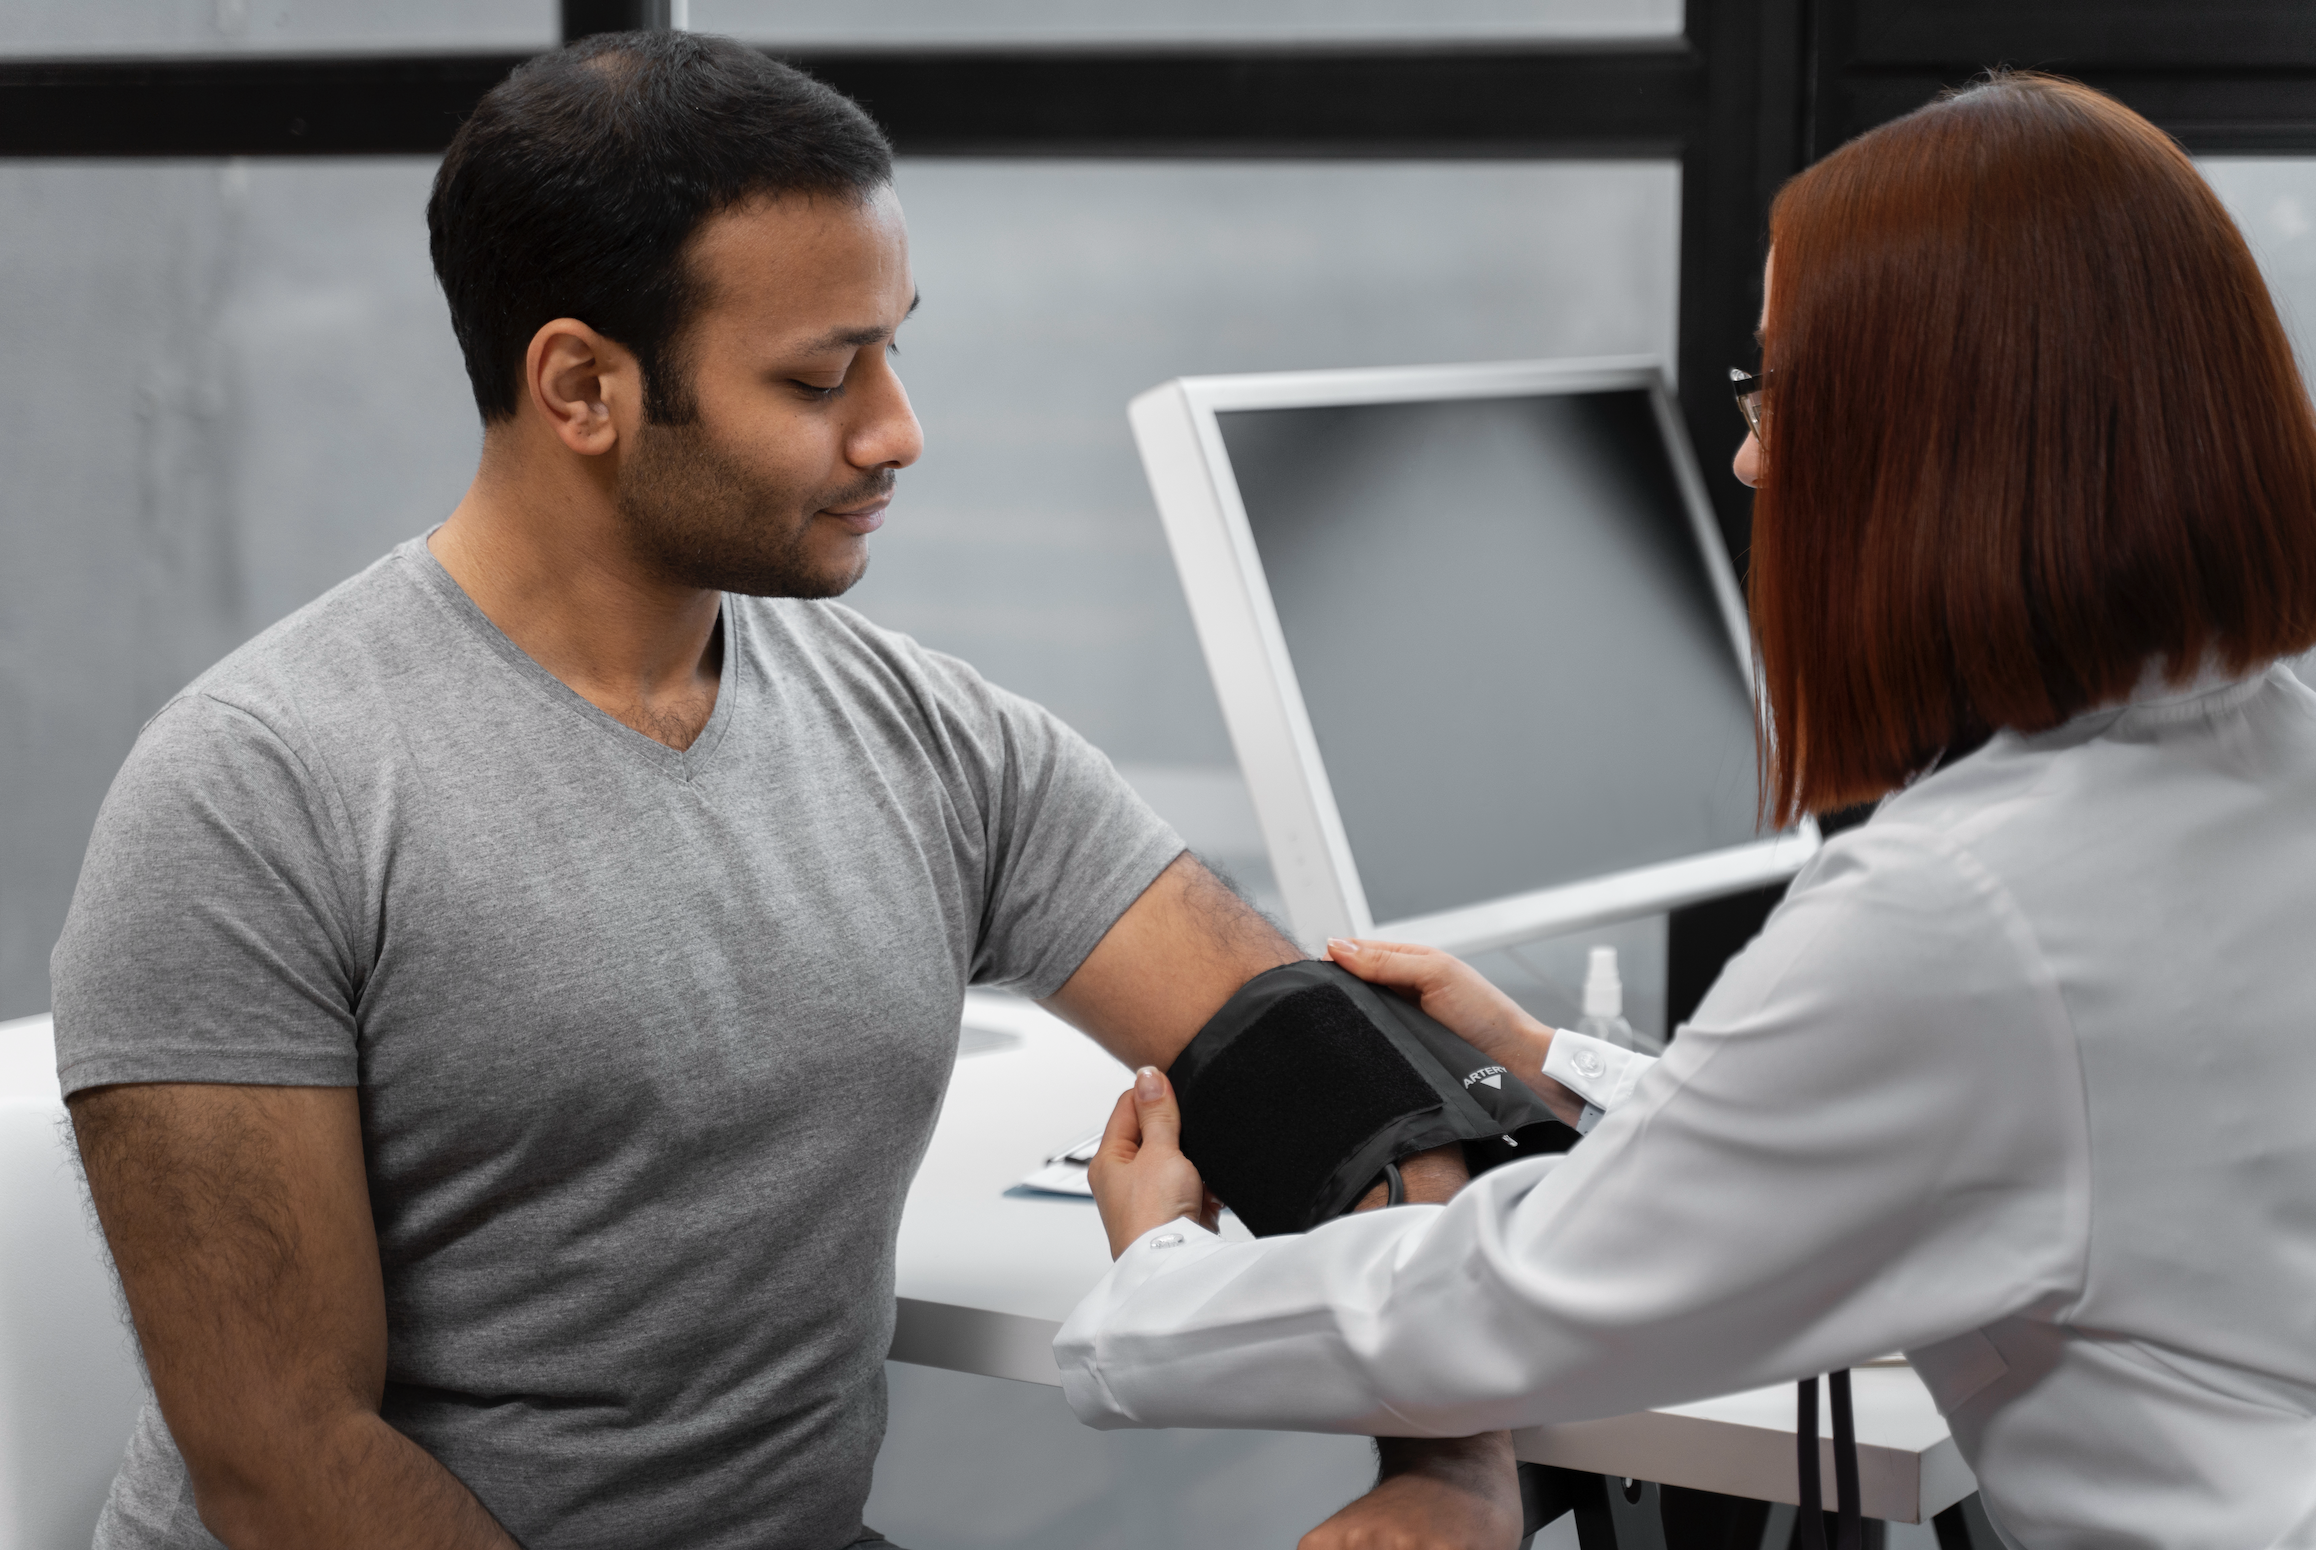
x=975, y=1340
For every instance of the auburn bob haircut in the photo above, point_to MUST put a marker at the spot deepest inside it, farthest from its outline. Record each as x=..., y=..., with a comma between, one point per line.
x=2032, y=426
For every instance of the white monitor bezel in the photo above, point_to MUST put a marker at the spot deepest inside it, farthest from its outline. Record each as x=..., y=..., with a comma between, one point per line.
x=1190, y=476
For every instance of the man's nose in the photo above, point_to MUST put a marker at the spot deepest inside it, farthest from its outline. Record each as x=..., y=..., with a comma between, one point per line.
x=889, y=436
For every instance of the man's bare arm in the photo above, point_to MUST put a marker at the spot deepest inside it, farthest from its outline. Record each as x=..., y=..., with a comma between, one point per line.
x=1168, y=964
x=239, y=1218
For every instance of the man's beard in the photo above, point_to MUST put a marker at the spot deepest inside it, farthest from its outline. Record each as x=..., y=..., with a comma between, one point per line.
x=697, y=516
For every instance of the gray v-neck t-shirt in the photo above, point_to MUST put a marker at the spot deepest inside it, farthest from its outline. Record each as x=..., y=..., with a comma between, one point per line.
x=649, y=1042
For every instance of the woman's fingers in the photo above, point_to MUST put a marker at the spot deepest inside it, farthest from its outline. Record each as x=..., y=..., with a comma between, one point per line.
x=1454, y=992
x=1140, y=1178
x=1399, y=965
x=1122, y=1136
x=1156, y=1111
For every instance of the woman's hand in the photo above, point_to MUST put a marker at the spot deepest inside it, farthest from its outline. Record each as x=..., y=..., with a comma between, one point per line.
x=1141, y=1179
x=1458, y=1493
x=1459, y=996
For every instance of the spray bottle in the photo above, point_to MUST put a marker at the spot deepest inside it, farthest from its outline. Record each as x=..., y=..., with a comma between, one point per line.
x=1604, y=1006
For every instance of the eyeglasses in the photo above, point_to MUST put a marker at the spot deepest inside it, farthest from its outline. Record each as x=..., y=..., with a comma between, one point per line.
x=1747, y=387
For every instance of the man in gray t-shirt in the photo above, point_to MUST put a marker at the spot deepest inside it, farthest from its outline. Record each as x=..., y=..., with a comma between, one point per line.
x=505, y=1002
x=649, y=1041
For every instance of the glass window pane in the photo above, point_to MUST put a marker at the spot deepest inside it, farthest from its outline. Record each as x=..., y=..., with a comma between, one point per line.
x=922, y=23
x=2273, y=199
x=63, y=27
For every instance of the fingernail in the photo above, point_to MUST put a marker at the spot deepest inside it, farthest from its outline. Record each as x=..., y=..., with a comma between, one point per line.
x=1337, y=948
x=1149, y=1086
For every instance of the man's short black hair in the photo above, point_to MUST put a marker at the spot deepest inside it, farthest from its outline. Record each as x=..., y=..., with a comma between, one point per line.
x=573, y=188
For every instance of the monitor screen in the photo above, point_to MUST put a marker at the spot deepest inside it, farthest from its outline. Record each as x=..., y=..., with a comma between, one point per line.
x=1507, y=641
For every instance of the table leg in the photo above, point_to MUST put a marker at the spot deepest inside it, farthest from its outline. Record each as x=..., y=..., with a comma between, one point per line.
x=1614, y=1514
x=1546, y=1493
x=1637, y=1509
x=1964, y=1526
x=1873, y=1533
x=1707, y=1520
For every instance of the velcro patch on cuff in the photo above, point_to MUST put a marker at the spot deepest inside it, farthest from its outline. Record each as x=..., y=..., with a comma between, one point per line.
x=1274, y=1106
x=1309, y=1080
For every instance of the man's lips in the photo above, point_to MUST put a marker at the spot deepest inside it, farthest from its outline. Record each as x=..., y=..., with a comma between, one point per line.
x=864, y=518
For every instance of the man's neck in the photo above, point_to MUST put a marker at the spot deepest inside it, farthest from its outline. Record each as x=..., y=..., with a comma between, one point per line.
x=547, y=564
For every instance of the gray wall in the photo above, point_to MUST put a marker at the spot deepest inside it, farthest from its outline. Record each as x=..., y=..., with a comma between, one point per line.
x=2273, y=199
x=232, y=385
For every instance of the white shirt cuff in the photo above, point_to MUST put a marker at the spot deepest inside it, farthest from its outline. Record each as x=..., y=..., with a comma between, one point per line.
x=1597, y=1071
x=1077, y=1344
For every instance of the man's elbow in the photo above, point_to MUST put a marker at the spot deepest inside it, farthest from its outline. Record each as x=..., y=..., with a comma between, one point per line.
x=244, y=1512
x=270, y=1487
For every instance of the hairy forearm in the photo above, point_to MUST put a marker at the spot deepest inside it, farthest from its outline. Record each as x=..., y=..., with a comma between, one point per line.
x=352, y=1480
x=1474, y=1475
x=1432, y=1495
x=1478, y=1461
x=239, y=1222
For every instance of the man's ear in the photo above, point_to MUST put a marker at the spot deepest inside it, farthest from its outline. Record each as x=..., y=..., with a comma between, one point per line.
x=589, y=389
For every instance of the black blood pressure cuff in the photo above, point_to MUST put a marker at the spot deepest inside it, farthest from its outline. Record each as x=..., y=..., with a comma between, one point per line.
x=1309, y=1080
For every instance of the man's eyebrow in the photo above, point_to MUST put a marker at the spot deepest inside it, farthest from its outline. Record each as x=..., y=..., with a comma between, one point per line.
x=859, y=338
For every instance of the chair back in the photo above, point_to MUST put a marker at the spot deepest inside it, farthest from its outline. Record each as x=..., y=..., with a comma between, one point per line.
x=70, y=1381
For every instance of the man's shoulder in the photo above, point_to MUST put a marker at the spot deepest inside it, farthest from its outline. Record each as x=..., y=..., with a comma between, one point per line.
x=333, y=654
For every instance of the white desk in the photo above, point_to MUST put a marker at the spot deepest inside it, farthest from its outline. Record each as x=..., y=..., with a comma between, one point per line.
x=985, y=1279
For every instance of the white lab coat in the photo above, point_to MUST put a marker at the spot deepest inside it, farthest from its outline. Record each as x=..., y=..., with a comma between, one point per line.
x=2020, y=1079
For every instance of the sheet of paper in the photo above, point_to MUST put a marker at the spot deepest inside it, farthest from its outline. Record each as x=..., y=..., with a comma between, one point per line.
x=1064, y=1172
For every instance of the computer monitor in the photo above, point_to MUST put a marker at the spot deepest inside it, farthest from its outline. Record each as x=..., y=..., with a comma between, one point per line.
x=1478, y=644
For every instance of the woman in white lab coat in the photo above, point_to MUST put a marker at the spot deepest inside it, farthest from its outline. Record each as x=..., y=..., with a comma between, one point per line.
x=2021, y=1077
